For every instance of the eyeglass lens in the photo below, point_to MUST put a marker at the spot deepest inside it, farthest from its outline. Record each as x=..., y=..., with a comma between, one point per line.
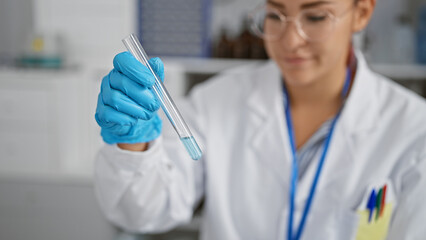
x=270, y=24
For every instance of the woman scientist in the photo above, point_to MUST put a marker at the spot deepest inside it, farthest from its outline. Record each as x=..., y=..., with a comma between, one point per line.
x=311, y=145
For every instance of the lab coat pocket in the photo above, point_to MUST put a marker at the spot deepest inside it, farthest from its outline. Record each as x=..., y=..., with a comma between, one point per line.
x=347, y=224
x=375, y=212
x=331, y=221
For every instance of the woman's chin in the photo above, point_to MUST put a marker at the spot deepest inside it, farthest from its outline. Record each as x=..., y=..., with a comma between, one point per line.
x=297, y=78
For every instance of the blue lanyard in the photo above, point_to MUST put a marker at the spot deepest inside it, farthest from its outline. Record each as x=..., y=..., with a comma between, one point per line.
x=295, y=170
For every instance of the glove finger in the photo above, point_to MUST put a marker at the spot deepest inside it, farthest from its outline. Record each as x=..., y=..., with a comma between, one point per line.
x=158, y=67
x=108, y=117
x=128, y=65
x=139, y=94
x=122, y=103
x=115, y=130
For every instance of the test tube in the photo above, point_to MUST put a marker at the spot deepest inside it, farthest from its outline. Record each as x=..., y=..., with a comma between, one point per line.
x=135, y=48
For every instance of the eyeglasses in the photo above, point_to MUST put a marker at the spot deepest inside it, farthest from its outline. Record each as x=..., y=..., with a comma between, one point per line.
x=313, y=25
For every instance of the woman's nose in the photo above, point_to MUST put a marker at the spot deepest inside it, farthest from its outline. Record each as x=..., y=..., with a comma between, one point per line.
x=291, y=37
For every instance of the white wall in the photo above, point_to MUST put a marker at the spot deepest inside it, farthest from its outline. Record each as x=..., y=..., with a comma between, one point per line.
x=93, y=29
x=15, y=23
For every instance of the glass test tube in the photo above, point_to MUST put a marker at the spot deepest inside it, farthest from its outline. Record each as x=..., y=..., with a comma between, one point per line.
x=135, y=48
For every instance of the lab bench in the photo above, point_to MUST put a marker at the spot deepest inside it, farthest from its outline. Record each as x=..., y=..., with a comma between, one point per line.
x=48, y=143
x=43, y=206
x=45, y=170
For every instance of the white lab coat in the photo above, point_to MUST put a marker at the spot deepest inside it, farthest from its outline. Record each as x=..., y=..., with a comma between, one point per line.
x=238, y=118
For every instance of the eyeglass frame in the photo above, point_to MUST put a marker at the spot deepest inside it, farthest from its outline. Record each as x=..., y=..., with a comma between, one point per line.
x=287, y=19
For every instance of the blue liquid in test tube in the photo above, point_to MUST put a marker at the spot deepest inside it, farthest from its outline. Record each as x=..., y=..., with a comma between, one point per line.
x=192, y=147
x=135, y=48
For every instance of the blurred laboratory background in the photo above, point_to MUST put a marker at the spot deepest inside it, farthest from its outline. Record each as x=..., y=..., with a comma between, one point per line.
x=54, y=53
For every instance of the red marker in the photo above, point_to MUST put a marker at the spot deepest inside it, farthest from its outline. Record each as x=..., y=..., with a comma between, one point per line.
x=383, y=200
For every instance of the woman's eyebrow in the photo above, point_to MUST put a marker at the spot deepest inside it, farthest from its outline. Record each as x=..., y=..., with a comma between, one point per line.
x=304, y=6
x=315, y=4
x=276, y=4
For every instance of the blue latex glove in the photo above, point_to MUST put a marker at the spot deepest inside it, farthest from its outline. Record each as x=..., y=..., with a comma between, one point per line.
x=127, y=107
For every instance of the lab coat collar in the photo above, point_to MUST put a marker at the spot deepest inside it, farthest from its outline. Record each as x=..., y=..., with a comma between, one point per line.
x=266, y=86
x=266, y=107
x=359, y=115
x=360, y=112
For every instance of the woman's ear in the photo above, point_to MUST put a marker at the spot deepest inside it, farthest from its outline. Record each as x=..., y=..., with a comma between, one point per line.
x=363, y=11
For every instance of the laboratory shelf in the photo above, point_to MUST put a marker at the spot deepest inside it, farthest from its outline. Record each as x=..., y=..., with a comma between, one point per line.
x=401, y=71
x=210, y=66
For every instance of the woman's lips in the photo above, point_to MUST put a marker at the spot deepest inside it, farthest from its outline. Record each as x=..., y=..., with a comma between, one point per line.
x=295, y=60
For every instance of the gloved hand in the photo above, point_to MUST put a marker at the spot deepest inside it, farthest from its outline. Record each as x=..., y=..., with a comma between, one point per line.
x=127, y=107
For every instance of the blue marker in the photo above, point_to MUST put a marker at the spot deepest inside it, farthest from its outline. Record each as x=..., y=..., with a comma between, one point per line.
x=371, y=204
